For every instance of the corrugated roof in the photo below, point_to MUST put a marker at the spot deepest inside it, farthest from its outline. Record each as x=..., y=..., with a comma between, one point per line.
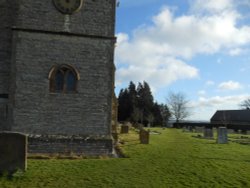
x=239, y=116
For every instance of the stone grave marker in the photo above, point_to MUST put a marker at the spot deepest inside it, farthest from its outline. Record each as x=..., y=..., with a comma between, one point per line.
x=208, y=133
x=230, y=131
x=190, y=128
x=222, y=135
x=124, y=129
x=185, y=129
x=199, y=129
x=144, y=136
x=13, y=152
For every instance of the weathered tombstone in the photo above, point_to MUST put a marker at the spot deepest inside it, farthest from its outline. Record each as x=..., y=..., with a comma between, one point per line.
x=124, y=129
x=230, y=131
x=13, y=152
x=190, y=128
x=199, y=129
x=248, y=132
x=222, y=135
x=144, y=136
x=208, y=133
x=185, y=129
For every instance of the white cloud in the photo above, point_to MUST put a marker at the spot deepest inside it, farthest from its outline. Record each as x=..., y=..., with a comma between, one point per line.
x=230, y=85
x=211, y=5
x=201, y=92
x=210, y=83
x=143, y=60
x=236, y=51
x=204, y=108
x=159, y=52
x=155, y=51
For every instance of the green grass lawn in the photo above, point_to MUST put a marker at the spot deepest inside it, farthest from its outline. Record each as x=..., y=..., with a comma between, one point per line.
x=172, y=159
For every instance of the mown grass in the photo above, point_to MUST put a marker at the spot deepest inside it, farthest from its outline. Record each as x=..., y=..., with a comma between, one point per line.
x=172, y=159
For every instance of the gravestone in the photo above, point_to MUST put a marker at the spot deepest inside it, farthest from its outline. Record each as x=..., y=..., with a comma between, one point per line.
x=199, y=129
x=190, y=128
x=13, y=152
x=185, y=129
x=222, y=135
x=144, y=136
x=230, y=131
x=124, y=129
x=208, y=133
x=248, y=132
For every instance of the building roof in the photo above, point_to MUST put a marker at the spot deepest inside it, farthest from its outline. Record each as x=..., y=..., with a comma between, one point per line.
x=231, y=116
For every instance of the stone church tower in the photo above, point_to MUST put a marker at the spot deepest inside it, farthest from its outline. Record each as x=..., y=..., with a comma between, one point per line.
x=56, y=70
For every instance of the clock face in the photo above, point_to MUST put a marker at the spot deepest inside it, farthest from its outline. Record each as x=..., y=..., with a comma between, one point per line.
x=68, y=6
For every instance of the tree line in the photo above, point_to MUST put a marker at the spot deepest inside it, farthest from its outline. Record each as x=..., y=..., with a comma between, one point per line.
x=136, y=105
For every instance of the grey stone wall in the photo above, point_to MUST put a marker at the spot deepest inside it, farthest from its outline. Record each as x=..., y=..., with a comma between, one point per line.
x=6, y=21
x=34, y=37
x=70, y=145
x=95, y=18
x=36, y=110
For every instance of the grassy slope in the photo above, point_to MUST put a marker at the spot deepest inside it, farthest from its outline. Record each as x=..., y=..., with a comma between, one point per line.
x=173, y=159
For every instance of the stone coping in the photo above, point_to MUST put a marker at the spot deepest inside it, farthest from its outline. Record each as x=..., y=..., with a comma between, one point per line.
x=69, y=137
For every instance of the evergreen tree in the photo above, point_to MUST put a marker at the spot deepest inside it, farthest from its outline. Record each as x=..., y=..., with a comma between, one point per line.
x=157, y=114
x=165, y=114
x=145, y=102
x=132, y=93
x=123, y=107
x=136, y=104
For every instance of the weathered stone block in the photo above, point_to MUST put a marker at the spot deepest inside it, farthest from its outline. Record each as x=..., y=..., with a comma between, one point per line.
x=13, y=152
x=144, y=136
x=208, y=133
x=78, y=145
x=230, y=131
x=124, y=129
x=222, y=135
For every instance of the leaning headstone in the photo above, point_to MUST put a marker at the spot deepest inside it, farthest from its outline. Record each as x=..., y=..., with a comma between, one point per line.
x=208, y=133
x=144, y=136
x=222, y=135
x=13, y=152
x=124, y=129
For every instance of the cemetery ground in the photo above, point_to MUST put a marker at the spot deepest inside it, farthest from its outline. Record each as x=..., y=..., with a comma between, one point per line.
x=172, y=159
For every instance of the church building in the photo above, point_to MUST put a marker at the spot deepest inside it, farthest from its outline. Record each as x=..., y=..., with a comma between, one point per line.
x=57, y=73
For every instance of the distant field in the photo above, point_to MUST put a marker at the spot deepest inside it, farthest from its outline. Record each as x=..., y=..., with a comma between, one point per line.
x=172, y=159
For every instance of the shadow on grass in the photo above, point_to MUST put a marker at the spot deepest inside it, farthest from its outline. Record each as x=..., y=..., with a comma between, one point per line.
x=10, y=175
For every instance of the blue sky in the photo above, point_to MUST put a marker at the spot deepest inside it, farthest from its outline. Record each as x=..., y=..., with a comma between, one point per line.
x=200, y=48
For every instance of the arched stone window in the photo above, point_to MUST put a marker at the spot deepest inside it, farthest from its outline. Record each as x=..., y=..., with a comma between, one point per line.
x=63, y=79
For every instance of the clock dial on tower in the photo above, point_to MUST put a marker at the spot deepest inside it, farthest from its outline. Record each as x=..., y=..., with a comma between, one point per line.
x=68, y=6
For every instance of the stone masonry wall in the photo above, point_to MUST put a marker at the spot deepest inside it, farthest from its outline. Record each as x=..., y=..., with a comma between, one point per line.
x=5, y=46
x=36, y=110
x=73, y=145
x=97, y=17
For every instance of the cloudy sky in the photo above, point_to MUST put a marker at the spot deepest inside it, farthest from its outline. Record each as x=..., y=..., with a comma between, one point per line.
x=198, y=47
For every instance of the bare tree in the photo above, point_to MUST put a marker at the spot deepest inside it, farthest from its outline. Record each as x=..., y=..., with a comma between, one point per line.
x=245, y=104
x=178, y=106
